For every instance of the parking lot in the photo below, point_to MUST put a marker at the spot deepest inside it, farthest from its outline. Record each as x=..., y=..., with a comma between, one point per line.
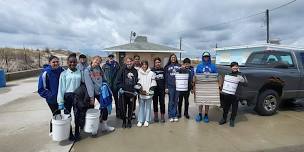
x=24, y=127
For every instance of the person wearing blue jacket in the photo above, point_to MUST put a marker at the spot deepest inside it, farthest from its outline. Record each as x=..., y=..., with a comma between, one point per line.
x=205, y=67
x=170, y=71
x=48, y=84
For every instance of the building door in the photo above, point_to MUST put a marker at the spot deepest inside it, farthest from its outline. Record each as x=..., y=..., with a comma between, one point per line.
x=121, y=55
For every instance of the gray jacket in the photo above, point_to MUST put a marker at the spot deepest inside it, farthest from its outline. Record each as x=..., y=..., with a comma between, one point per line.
x=93, y=80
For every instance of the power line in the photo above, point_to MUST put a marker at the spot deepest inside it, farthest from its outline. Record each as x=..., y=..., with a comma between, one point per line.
x=241, y=18
x=282, y=5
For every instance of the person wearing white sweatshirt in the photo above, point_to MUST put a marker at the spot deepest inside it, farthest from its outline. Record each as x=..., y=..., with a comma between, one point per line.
x=146, y=78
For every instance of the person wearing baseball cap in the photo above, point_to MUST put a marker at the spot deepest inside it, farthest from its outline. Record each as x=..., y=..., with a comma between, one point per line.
x=205, y=67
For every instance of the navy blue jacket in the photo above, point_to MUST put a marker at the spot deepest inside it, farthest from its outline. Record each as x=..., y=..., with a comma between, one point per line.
x=48, y=84
x=170, y=71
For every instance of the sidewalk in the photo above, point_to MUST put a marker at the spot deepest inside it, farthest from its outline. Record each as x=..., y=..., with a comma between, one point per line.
x=24, y=118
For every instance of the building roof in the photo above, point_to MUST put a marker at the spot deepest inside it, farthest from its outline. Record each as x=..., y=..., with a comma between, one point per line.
x=267, y=46
x=141, y=44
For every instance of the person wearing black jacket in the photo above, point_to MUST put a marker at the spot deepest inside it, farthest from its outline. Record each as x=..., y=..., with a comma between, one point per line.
x=127, y=78
x=159, y=93
x=80, y=106
x=186, y=68
x=229, y=97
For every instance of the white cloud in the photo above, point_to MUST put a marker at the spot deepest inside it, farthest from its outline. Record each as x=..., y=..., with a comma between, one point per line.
x=94, y=24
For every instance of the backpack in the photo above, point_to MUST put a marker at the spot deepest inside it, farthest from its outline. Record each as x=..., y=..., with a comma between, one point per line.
x=105, y=96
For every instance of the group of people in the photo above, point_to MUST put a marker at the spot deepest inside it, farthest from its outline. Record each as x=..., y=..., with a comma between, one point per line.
x=81, y=83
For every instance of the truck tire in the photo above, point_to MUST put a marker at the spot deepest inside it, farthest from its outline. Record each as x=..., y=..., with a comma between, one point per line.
x=268, y=103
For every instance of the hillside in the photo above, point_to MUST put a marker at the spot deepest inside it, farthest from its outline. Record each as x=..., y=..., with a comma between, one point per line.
x=12, y=60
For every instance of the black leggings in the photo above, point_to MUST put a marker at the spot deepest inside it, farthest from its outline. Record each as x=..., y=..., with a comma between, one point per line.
x=159, y=96
x=128, y=103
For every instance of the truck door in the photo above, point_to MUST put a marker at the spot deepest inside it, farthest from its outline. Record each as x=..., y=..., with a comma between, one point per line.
x=285, y=65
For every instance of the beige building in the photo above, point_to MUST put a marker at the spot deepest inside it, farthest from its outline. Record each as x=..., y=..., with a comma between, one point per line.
x=146, y=50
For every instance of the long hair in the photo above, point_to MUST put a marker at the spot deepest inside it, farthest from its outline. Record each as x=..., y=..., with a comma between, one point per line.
x=169, y=61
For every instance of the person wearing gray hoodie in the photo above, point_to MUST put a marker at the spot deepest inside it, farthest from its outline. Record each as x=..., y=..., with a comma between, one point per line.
x=94, y=76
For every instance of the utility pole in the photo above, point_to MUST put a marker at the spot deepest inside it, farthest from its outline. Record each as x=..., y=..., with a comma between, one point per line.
x=180, y=48
x=267, y=24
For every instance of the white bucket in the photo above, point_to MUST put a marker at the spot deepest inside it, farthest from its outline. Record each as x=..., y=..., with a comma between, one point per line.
x=230, y=84
x=61, y=127
x=181, y=81
x=92, y=121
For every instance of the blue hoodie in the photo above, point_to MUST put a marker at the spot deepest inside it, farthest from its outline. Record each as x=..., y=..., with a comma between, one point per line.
x=206, y=66
x=170, y=72
x=48, y=83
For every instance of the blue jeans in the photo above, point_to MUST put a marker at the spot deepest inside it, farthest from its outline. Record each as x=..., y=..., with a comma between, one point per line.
x=144, y=113
x=173, y=100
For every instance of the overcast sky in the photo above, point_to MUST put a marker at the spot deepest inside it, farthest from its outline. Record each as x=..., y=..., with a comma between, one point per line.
x=97, y=24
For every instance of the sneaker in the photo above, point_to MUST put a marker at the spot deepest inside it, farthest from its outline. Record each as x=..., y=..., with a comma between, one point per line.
x=162, y=118
x=106, y=128
x=133, y=116
x=175, y=119
x=139, y=124
x=129, y=125
x=198, y=118
x=146, y=124
x=222, y=121
x=171, y=120
x=124, y=124
x=187, y=116
x=179, y=116
x=50, y=134
x=156, y=120
x=206, y=119
x=231, y=123
x=72, y=137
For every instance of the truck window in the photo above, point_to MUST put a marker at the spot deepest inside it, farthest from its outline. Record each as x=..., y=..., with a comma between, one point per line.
x=272, y=59
x=258, y=58
x=280, y=57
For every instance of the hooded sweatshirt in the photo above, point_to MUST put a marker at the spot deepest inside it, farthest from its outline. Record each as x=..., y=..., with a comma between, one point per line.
x=206, y=66
x=48, y=83
x=93, y=77
x=147, y=80
x=170, y=72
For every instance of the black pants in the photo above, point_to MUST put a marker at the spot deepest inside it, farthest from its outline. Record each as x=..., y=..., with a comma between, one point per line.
x=159, y=97
x=183, y=95
x=128, y=103
x=103, y=111
x=229, y=100
x=54, y=109
x=68, y=104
